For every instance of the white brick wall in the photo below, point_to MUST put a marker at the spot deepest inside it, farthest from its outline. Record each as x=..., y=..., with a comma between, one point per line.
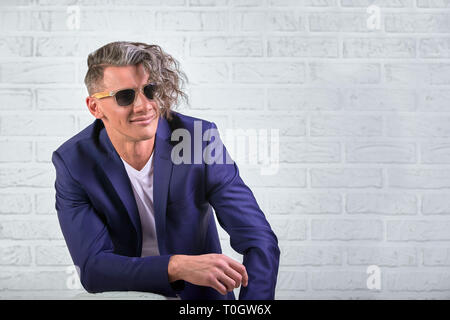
x=363, y=116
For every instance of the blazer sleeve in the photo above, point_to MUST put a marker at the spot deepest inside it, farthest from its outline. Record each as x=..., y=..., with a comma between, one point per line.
x=239, y=214
x=92, y=250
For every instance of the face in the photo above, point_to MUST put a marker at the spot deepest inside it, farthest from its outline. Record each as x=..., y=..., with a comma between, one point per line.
x=133, y=123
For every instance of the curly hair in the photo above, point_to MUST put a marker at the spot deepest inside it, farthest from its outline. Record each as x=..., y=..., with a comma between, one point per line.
x=162, y=68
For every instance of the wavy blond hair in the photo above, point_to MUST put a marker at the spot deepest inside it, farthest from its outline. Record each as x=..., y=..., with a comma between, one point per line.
x=162, y=68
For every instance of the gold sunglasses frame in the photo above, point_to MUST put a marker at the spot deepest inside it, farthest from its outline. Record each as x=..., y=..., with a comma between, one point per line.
x=106, y=94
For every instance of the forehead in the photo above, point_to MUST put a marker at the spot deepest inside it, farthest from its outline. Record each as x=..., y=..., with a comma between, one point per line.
x=124, y=76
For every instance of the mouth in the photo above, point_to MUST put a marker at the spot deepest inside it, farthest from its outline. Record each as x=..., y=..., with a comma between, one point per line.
x=143, y=121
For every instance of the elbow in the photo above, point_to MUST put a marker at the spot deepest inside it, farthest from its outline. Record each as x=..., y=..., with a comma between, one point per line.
x=87, y=278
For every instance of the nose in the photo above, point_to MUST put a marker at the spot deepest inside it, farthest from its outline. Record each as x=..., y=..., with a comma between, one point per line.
x=141, y=102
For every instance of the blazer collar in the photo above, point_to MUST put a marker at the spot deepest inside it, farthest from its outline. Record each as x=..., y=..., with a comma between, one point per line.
x=114, y=169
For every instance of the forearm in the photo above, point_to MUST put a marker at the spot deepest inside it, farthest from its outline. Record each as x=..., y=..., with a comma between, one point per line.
x=111, y=272
x=262, y=265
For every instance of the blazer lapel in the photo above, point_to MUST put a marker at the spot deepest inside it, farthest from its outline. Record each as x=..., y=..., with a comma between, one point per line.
x=162, y=172
x=115, y=171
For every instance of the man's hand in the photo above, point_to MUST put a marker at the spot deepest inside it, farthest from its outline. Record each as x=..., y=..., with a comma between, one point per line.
x=212, y=270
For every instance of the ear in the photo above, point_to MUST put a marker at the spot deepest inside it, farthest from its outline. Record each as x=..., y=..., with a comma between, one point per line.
x=94, y=107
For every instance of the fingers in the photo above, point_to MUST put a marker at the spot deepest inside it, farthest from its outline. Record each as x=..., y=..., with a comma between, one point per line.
x=217, y=285
x=234, y=275
x=240, y=269
x=227, y=282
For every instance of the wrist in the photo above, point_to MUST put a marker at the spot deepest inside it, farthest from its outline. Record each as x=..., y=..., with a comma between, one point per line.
x=173, y=268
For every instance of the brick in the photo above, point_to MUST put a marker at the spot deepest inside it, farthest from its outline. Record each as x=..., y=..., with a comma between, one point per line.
x=30, y=229
x=434, y=48
x=84, y=120
x=262, y=72
x=418, y=230
x=418, y=178
x=16, y=3
x=380, y=152
x=418, y=126
x=436, y=204
x=292, y=280
x=339, y=280
x=15, y=20
x=44, y=150
x=245, y=3
x=27, y=177
x=374, y=203
x=437, y=152
x=418, y=281
x=309, y=152
x=191, y=21
x=32, y=72
x=350, y=73
x=303, y=3
x=207, y=72
x=226, y=47
x=379, y=48
x=68, y=46
x=275, y=21
x=95, y=20
x=34, y=280
x=379, y=3
x=297, y=202
x=288, y=125
x=346, y=126
x=202, y=3
x=433, y=3
x=382, y=99
x=417, y=22
x=16, y=46
x=15, y=203
x=62, y=99
x=17, y=151
x=338, y=22
x=289, y=229
x=53, y=255
x=15, y=256
x=282, y=46
x=303, y=99
x=219, y=98
x=418, y=74
x=436, y=256
x=346, y=229
x=150, y=3
x=430, y=100
x=382, y=256
x=16, y=99
x=311, y=255
x=346, y=177
x=37, y=125
x=45, y=203
x=284, y=177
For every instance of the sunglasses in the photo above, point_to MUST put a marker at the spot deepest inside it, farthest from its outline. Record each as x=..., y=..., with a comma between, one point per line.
x=125, y=97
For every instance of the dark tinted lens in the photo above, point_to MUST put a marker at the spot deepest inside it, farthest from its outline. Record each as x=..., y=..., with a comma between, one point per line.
x=149, y=91
x=125, y=97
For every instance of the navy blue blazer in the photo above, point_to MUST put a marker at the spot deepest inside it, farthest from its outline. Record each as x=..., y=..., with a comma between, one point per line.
x=100, y=221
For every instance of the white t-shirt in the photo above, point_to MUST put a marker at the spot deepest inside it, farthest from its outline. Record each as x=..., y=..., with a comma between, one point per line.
x=142, y=185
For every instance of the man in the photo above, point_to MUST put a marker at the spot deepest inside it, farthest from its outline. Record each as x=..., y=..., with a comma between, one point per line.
x=134, y=220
